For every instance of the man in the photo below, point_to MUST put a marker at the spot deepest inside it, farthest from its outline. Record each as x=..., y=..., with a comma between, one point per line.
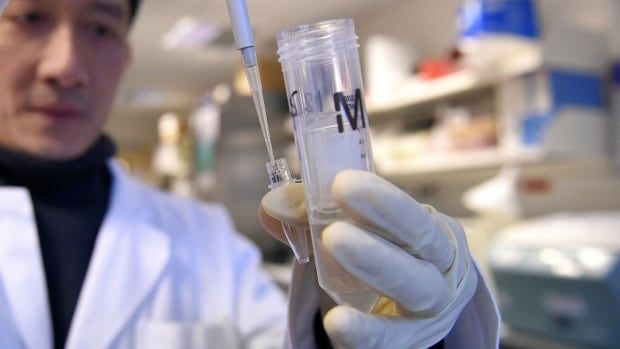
x=89, y=258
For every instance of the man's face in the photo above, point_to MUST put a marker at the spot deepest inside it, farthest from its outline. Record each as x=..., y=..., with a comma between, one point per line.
x=60, y=64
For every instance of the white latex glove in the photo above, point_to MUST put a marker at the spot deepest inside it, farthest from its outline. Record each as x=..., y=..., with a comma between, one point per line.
x=414, y=256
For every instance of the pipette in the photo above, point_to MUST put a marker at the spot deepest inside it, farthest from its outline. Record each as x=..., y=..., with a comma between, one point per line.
x=278, y=171
x=244, y=39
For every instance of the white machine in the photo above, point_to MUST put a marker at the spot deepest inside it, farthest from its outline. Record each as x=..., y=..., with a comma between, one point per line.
x=558, y=278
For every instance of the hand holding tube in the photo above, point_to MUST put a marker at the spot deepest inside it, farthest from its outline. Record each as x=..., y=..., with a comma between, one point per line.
x=415, y=257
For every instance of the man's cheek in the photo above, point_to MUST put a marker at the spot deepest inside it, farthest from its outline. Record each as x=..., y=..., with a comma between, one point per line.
x=8, y=96
x=106, y=87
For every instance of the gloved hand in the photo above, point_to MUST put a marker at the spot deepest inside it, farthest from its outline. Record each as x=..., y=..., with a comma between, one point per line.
x=414, y=256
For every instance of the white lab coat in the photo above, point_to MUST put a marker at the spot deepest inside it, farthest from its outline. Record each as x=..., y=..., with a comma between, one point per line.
x=168, y=273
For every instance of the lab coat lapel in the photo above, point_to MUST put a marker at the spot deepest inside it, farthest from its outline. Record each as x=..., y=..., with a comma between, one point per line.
x=21, y=268
x=129, y=257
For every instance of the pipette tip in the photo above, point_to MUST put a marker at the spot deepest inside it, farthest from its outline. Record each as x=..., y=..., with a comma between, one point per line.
x=253, y=77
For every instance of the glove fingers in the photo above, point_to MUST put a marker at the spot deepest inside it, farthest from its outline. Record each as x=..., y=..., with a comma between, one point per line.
x=271, y=225
x=415, y=285
x=374, y=202
x=350, y=328
x=287, y=204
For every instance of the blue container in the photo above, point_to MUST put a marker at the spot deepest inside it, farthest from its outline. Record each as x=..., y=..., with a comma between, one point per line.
x=573, y=88
x=534, y=127
x=567, y=89
x=516, y=17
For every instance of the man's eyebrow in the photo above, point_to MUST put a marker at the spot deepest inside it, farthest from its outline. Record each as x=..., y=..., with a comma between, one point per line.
x=113, y=10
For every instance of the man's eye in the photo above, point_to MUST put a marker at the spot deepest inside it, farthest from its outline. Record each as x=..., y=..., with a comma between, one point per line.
x=102, y=31
x=32, y=18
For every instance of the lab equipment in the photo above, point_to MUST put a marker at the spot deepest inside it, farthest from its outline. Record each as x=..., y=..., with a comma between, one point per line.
x=558, y=278
x=278, y=171
x=499, y=17
x=244, y=39
x=205, y=125
x=279, y=175
x=324, y=87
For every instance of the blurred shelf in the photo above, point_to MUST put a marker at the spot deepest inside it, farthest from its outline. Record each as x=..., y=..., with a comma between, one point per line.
x=417, y=92
x=432, y=164
x=458, y=161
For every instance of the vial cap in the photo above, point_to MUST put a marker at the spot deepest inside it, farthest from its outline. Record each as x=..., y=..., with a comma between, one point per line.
x=279, y=173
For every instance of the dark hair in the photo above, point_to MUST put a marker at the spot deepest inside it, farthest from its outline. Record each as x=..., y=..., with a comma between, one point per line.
x=133, y=9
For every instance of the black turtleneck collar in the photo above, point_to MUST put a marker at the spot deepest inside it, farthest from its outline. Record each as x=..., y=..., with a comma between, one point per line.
x=20, y=169
x=70, y=199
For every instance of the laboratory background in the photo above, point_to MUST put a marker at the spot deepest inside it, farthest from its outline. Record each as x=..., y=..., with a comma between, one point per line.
x=503, y=113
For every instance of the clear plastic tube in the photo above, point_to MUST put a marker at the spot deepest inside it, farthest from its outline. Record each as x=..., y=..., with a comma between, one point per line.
x=279, y=175
x=324, y=86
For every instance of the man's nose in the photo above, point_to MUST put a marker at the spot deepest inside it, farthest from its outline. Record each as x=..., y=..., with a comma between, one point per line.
x=62, y=63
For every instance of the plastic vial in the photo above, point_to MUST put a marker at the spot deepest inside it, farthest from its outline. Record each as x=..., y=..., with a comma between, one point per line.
x=326, y=100
x=279, y=175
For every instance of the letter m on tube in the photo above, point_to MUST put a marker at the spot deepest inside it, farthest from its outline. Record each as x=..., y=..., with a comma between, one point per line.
x=341, y=104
